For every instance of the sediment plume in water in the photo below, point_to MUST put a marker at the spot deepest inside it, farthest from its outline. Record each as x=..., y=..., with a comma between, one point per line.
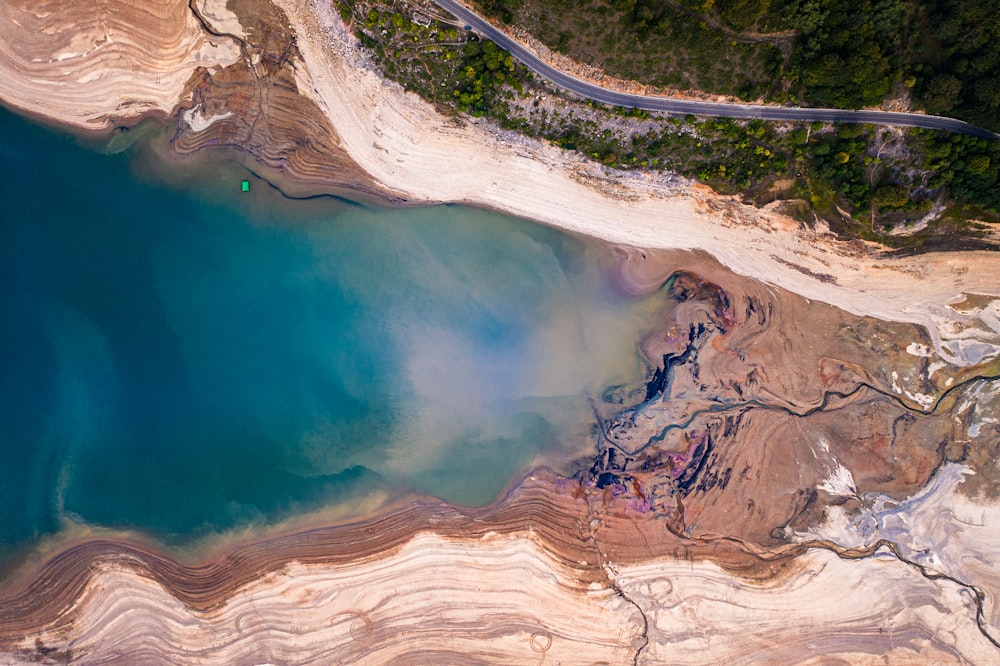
x=703, y=522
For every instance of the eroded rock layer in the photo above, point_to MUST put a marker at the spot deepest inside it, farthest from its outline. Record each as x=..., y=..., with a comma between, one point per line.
x=227, y=79
x=254, y=107
x=93, y=64
x=525, y=579
x=421, y=583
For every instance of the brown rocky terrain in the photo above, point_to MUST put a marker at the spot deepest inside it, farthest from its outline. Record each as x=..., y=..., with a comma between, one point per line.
x=228, y=82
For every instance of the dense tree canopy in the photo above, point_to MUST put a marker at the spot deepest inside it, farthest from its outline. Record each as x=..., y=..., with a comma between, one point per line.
x=945, y=54
x=959, y=60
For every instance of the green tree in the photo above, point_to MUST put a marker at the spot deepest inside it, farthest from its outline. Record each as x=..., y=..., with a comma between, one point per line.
x=942, y=93
x=978, y=165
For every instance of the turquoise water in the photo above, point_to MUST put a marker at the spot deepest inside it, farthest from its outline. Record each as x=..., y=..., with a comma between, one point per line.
x=188, y=361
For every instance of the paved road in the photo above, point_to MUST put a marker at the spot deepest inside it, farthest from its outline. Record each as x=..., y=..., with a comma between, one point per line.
x=699, y=108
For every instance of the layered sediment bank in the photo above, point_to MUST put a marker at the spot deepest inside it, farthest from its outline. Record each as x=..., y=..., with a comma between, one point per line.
x=92, y=65
x=526, y=580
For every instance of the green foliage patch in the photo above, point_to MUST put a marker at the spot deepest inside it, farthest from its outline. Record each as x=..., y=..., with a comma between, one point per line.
x=445, y=65
x=943, y=54
x=884, y=180
x=653, y=41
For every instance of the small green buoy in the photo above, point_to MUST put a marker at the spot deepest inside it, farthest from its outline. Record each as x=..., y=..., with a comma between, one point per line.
x=245, y=186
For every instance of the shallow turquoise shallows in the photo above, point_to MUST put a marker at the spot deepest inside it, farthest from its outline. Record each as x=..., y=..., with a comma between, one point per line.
x=187, y=361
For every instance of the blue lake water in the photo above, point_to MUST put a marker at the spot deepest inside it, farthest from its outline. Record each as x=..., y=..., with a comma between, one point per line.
x=188, y=361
